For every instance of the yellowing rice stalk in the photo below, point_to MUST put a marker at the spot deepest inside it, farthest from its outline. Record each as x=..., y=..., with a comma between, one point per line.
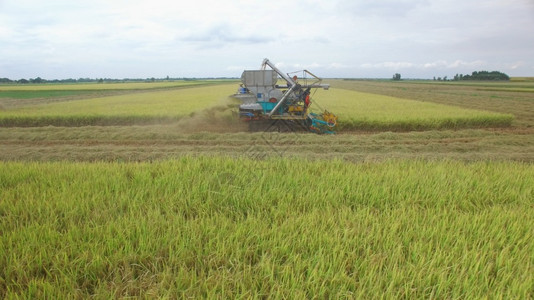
x=356, y=110
x=211, y=227
x=124, y=109
x=366, y=111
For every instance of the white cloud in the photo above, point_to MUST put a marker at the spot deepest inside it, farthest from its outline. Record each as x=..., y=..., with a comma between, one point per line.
x=352, y=38
x=439, y=64
x=336, y=65
x=388, y=65
x=435, y=64
x=471, y=64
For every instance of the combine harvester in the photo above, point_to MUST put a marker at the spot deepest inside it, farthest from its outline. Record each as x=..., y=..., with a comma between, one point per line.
x=266, y=105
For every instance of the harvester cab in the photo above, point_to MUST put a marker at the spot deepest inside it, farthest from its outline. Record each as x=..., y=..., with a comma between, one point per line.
x=266, y=102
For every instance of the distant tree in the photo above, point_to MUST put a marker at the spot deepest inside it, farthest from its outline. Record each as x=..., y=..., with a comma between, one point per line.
x=37, y=80
x=445, y=78
x=23, y=81
x=397, y=76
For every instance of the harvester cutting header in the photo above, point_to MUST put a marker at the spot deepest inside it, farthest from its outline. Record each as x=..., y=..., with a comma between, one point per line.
x=265, y=102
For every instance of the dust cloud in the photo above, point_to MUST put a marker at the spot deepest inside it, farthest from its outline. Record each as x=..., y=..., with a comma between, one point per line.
x=221, y=118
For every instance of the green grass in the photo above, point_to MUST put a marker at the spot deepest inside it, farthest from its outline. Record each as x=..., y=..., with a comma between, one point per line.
x=357, y=110
x=132, y=108
x=224, y=228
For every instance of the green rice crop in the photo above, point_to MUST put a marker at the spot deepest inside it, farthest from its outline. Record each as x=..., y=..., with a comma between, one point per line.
x=130, y=108
x=29, y=94
x=357, y=110
x=213, y=227
x=101, y=86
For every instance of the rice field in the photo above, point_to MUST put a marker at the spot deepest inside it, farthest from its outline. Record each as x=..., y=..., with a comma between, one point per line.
x=102, y=86
x=205, y=228
x=488, y=96
x=181, y=210
x=522, y=79
x=130, y=108
x=357, y=110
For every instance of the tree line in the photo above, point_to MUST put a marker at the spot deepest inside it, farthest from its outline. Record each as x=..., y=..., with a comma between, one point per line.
x=483, y=75
x=100, y=80
x=476, y=75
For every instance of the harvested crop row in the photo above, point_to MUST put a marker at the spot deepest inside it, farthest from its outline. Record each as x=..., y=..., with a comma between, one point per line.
x=225, y=228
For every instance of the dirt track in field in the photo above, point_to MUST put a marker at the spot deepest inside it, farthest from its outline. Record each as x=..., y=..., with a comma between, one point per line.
x=155, y=142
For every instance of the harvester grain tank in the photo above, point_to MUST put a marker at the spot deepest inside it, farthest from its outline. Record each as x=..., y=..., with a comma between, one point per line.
x=265, y=102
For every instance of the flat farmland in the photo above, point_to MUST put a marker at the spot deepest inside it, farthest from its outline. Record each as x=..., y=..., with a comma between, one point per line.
x=196, y=206
x=213, y=130
x=103, y=86
x=129, y=108
x=366, y=111
x=356, y=110
x=489, y=96
x=15, y=96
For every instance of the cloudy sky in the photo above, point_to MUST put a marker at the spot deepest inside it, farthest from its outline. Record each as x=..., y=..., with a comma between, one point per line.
x=57, y=39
